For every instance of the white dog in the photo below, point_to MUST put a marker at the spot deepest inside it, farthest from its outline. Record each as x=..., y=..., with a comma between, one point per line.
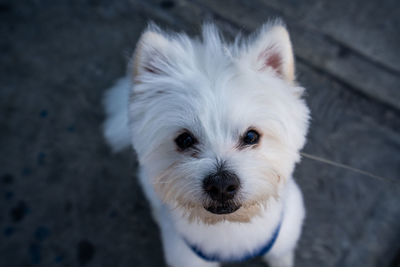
x=217, y=128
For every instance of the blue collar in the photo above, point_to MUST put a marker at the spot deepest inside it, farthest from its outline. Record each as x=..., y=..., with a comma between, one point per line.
x=257, y=252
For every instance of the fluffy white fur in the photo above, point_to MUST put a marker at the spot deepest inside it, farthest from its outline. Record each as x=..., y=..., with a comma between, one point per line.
x=217, y=91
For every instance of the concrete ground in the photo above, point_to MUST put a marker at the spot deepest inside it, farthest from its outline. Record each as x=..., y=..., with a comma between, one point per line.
x=66, y=200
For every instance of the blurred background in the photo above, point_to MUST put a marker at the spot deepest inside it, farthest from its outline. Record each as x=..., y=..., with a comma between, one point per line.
x=66, y=200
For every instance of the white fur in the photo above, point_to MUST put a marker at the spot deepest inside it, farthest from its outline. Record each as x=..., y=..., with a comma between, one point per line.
x=116, y=128
x=216, y=91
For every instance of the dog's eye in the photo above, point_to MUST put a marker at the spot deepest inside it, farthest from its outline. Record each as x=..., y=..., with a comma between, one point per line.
x=251, y=138
x=185, y=140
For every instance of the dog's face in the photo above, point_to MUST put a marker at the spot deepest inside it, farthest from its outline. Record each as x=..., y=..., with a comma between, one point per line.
x=217, y=127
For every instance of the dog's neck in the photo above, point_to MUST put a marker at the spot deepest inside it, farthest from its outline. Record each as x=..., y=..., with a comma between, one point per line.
x=255, y=252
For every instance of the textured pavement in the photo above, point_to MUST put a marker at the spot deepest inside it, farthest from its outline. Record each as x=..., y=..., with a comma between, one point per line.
x=66, y=200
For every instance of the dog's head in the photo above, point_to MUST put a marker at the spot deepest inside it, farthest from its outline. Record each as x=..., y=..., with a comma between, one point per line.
x=217, y=127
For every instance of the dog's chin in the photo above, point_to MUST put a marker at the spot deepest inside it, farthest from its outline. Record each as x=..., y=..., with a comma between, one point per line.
x=222, y=208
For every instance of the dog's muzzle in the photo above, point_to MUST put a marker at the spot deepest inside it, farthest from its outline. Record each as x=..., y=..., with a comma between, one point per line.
x=222, y=187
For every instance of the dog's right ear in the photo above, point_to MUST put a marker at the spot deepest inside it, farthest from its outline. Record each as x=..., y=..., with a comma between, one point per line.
x=271, y=50
x=151, y=53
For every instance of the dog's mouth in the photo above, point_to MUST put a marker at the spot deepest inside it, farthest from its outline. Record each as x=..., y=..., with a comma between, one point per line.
x=222, y=208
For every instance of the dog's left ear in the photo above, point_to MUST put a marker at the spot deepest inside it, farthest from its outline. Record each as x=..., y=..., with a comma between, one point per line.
x=271, y=50
x=151, y=53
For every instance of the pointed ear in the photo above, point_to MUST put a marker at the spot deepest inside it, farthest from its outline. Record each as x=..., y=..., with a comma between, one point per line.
x=272, y=50
x=151, y=53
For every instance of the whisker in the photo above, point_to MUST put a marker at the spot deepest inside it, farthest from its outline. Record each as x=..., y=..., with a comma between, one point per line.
x=348, y=167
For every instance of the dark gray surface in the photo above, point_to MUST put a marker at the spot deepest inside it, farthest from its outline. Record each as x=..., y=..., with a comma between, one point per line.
x=67, y=201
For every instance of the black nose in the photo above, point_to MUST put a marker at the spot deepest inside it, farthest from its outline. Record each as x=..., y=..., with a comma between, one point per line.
x=221, y=186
